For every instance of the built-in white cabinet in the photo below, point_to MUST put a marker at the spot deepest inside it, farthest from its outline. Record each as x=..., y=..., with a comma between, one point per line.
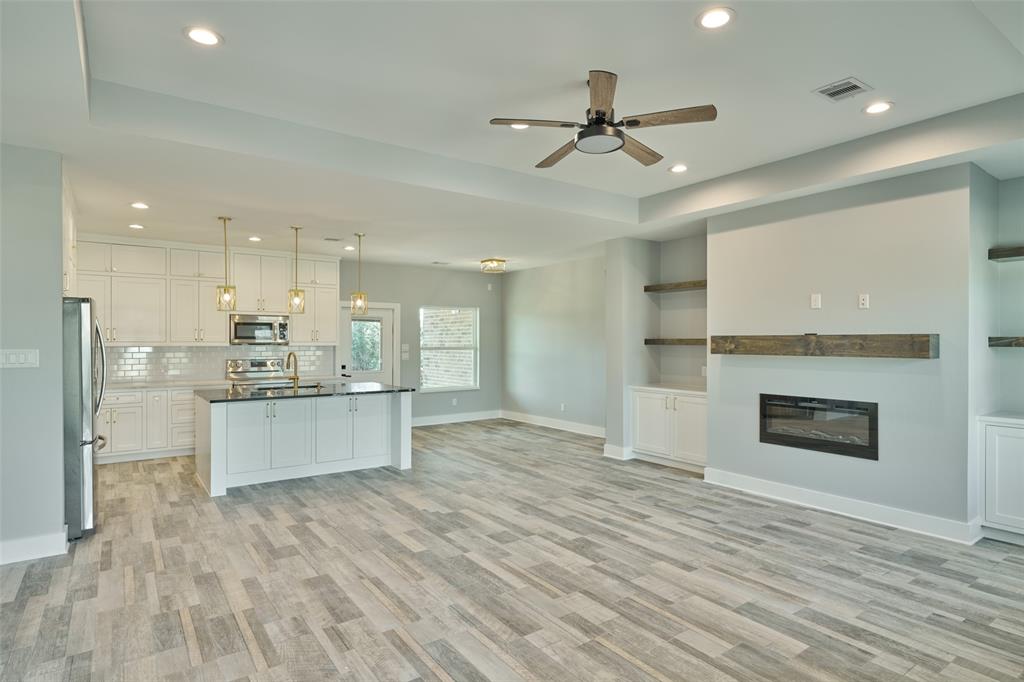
x=124, y=428
x=262, y=282
x=138, y=310
x=128, y=259
x=318, y=273
x=1004, y=473
x=248, y=427
x=269, y=434
x=371, y=425
x=318, y=324
x=197, y=264
x=157, y=416
x=291, y=433
x=93, y=257
x=97, y=287
x=142, y=423
x=333, y=428
x=194, y=317
x=671, y=424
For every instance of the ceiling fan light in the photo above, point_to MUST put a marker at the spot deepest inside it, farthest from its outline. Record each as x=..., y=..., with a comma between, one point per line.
x=599, y=139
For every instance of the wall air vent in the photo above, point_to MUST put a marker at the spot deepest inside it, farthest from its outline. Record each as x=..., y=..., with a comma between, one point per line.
x=331, y=239
x=844, y=89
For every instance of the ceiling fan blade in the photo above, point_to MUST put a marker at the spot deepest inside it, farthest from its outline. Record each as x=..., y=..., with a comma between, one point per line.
x=539, y=123
x=602, y=92
x=641, y=152
x=558, y=154
x=708, y=112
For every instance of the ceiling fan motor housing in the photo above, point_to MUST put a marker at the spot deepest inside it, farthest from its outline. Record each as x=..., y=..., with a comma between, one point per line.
x=599, y=139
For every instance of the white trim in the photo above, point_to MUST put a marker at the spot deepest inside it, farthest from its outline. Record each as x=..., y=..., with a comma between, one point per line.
x=560, y=424
x=1002, y=535
x=33, y=547
x=345, y=316
x=669, y=462
x=435, y=419
x=141, y=456
x=618, y=452
x=964, y=532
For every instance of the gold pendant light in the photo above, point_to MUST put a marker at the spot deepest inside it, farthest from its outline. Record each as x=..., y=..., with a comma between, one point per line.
x=360, y=304
x=296, y=296
x=227, y=297
x=493, y=266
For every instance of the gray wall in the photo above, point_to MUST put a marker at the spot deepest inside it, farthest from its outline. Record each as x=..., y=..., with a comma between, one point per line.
x=31, y=446
x=905, y=242
x=683, y=313
x=412, y=287
x=553, y=340
x=1011, y=295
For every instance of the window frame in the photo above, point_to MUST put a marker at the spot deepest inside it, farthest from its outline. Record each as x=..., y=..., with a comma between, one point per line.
x=475, y=348
x=368, y=318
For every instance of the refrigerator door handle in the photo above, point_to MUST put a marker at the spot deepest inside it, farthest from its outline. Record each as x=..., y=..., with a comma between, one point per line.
x=99, y=442
x=103, y=370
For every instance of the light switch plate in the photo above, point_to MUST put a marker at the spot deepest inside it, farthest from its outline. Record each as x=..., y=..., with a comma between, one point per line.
x=864, y=301
x=21, y=358
x=815, y=301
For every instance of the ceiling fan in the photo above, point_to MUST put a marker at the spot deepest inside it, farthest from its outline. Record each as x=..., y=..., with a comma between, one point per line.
x=601, y=133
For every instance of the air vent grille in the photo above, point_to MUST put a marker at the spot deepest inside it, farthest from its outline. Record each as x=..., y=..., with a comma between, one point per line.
x=331, y=239
x=844, y=89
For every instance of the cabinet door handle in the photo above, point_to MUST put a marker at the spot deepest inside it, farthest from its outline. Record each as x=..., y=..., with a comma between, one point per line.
x=115, y=415
x=666, y=402
x=202, y=334
x=195, y=334
x=108, y=333
x=674, y=409
x=268, y=410
x=357, y=403
x=115, y=333
x=274, y=410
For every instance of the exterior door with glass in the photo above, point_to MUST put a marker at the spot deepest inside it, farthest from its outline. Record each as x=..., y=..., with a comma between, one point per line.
x=371, y=344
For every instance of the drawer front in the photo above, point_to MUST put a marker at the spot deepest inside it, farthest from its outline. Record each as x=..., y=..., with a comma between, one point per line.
x=183, y=436
x=123, y=398
x=182, y=396
x=183, y=413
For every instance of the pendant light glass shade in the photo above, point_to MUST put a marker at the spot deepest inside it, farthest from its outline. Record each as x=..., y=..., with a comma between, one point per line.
x=296, y=296
x=360, y=302
x=493, y=266
x=227, y=297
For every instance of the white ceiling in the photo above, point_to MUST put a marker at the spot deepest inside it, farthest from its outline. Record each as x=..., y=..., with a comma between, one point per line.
x=429, y=75
x=286, y=122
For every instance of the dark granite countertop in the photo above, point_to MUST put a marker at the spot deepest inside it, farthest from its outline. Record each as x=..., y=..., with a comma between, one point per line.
x=307, y=389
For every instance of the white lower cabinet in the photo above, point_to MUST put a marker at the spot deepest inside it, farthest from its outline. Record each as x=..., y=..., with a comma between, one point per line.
x=671, y=424
x=291, y=433
x=334, y=428
x=248, y=437
x=371, y=425
x=157, y=416
x=126, y=429
x=146, y=423
x=1004, y=476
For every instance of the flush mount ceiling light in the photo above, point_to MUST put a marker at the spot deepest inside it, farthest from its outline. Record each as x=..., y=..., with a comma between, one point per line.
x=493, y=266
x=350, y=248
x=136, y=226
x=296, y=296
x=878, y=107
x=716, y=17
x=227, y=296
x=678, y=168
x=360, y=303
x=519, y=126
x=203, y=36
x=140, y=204
x=254, y=238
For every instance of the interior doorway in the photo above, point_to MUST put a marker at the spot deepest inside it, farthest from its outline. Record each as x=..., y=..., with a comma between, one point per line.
x=369, y=344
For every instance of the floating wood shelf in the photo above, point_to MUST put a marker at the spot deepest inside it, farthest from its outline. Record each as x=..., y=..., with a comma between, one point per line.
x=675, y=342
x=1006, y=253
x=919, y=346
x=1006, y=341
x=691, y=285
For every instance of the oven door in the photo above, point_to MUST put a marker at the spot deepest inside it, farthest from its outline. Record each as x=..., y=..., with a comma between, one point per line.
x=258, y=330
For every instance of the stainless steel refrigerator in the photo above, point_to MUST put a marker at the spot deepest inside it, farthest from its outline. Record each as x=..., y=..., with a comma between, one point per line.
x=85, y=369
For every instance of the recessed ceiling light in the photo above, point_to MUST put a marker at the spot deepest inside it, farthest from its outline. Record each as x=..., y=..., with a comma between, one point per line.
x=878, y=107
x=139, y=204
x=678, y=168
x=519, y=126
x=136, y=226
x=350, y=248
x=203, y=36
x=715, y=18
x=254, y=238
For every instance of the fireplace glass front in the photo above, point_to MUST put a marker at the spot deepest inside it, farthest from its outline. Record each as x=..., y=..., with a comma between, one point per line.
x=841, y=427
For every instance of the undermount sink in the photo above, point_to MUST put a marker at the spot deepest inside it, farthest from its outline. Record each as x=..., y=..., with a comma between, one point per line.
x=285, y=389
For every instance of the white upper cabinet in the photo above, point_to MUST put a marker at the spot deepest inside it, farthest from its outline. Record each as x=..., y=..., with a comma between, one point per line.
x=97, y=287
x=245, y=275
x=211, y=265
x=93, y=257
x=262, y=282
x=213, y=323
x=317, y=272
x=138, y=310
x=192, y=263
x=326, y=315
x=184, y=309
x=138, y=260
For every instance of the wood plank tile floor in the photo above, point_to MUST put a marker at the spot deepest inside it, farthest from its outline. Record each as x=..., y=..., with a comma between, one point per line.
x=509, y=552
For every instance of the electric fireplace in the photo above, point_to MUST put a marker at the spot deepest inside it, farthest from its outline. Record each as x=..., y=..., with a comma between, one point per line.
x=841, y=427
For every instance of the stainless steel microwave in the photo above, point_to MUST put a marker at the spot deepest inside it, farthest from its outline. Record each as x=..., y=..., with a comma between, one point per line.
x=259, y=330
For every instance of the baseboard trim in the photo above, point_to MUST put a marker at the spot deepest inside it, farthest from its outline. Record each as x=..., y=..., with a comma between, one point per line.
x=669, y=462
x=1002, y=535
x=140, y=456
x=434, y=420
x=560, y=424
x=33, y=547
x=963, y=532
x=618, y=452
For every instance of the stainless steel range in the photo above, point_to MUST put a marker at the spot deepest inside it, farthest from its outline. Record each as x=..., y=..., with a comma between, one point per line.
x=264, y=375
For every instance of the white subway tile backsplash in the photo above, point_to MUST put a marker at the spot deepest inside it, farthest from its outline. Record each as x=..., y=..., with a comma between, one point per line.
x=144, y=363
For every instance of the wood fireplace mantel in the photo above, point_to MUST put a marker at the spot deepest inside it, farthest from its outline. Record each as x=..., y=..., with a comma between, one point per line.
x=913, y=346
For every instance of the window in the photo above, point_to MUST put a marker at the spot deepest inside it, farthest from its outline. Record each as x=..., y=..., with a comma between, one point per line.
x=449, y=349
x=366, y=350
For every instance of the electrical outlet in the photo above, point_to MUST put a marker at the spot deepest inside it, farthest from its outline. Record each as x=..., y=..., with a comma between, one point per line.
x=455, y=401
x=864, y=301
x=815, y=301
x=562, y=407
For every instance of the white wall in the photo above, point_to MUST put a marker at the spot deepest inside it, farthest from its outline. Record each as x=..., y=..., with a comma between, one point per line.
x=905, y=242
x=31, y=412
x=414, y=286
x=1011, y=292
x=553, y=326
x=683, y=313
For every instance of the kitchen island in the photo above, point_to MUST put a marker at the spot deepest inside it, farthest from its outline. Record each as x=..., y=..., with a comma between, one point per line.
x=247, y=435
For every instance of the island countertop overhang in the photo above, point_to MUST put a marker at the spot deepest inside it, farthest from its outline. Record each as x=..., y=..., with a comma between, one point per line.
x=325, y=390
